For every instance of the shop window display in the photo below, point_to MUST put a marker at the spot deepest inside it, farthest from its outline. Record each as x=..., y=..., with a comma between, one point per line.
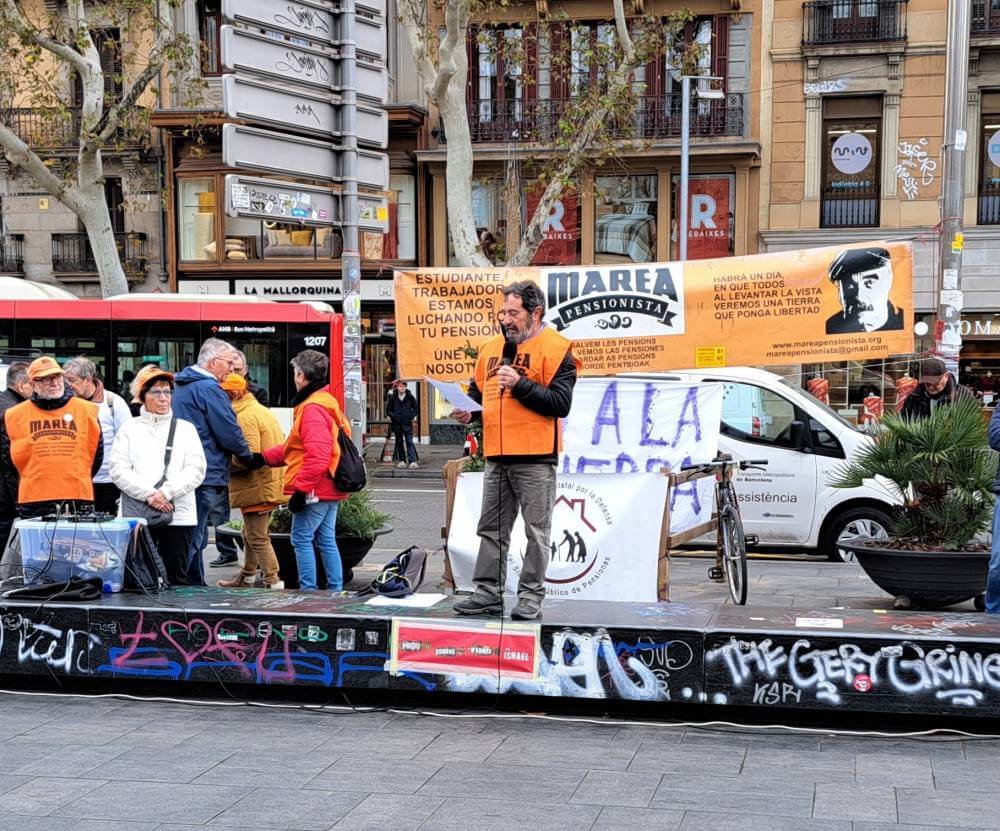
x=625, y=224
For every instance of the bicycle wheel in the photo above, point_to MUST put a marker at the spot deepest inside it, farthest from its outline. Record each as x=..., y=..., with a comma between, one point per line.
x=734, y=553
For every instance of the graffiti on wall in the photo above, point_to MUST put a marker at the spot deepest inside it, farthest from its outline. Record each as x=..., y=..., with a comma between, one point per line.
x=805, y=673
x=45, y=646
x=914, y=169
x=596, y=665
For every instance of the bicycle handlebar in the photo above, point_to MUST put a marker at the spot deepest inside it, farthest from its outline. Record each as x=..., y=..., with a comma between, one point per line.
x=742, y=464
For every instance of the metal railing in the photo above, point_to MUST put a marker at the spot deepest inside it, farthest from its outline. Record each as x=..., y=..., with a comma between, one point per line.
x=12, y=254
x=853, y=21
x=655, y=117
x=71, y=253
x=849, y=209
x=985, y=18
x=47, y=129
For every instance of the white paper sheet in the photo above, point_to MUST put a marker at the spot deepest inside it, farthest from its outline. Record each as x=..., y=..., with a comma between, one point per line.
x=454, y=395
x=413, y=601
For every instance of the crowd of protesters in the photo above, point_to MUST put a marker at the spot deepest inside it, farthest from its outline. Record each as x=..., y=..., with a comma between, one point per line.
x=190, y=446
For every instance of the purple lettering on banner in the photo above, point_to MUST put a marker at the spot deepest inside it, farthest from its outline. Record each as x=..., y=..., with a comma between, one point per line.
x=583, y=463
x=690, y=400
x=624, y=459
x=605, y=419
x=647, y=422
x=687, y=489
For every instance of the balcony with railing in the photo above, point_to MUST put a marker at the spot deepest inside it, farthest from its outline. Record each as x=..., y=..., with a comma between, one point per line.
x=71, y=253
x=853, y=21
x=985, y=18
x=44, y=129
x=12, y=254
x=655, y=117
x=849, y=208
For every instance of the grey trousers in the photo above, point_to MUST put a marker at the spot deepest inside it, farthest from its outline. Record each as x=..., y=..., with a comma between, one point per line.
x=530, y=488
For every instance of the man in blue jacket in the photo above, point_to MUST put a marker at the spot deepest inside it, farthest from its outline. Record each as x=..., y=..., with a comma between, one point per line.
x=199, y=398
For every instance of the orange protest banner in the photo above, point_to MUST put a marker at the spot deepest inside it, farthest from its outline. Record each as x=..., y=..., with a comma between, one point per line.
x=820, y=304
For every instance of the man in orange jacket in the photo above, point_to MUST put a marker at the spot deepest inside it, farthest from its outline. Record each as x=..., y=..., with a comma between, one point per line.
x=50, y=445
x=524, y=380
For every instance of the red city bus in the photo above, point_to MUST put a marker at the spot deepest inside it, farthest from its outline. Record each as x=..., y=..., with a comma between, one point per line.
x=122, y=334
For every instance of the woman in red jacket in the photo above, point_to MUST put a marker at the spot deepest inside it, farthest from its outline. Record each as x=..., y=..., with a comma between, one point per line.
x=311, y=453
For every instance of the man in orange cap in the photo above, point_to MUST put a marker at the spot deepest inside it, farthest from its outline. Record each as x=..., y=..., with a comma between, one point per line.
x=50, y=445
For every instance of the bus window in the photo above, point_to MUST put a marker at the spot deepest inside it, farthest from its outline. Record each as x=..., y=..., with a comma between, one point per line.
x=66, y=339
x=172, y=347
x=266, y=348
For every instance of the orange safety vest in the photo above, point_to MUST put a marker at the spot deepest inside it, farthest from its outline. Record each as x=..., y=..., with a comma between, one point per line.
x=53, y=450
x=295, y=449
x=520, y=432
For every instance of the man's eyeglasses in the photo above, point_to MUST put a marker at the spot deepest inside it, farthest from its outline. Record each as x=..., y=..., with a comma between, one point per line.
x=50, y=379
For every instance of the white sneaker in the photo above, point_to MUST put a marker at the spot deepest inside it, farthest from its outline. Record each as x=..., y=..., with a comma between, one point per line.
x=400, y=464
x=277, y=584
x=414, y=465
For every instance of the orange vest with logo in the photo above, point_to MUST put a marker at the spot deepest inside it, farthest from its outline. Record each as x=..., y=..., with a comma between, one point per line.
x=295, y=449
x=53, y=450
x=510, y=428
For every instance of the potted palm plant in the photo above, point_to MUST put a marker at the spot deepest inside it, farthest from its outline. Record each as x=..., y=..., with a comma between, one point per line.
x=942, y=470
x=359, y=524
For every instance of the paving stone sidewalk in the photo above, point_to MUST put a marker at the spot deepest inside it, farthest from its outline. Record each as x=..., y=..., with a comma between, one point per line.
x=144, y=766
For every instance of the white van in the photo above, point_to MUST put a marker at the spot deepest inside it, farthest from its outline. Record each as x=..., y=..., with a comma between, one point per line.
x=791, y=503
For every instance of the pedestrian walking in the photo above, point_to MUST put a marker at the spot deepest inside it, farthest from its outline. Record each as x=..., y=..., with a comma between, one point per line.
x=112, y=412
x=524, y=380
x=18, y=390
x=137, y=468
x=937, y=387
x=255, y=492
x=401, y=407
x=311, y=454
x=50, y=445
x=198, y=398
x=240, y=367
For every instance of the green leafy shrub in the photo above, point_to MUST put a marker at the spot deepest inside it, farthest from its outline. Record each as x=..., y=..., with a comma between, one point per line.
x=941, y=467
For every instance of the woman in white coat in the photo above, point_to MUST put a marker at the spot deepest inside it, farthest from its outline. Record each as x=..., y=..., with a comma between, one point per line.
x=137, y=465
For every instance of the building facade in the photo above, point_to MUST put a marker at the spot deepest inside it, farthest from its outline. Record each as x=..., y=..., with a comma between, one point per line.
x=854, y=93
x=43, y=240
x=212, y=253
x=625, y=210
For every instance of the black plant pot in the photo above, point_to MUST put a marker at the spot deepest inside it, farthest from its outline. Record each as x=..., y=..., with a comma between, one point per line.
x=931, y=579
x=352, y=551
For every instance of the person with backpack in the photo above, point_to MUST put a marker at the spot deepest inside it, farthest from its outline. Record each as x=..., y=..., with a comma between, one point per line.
x=312, y=454
x=112, y=412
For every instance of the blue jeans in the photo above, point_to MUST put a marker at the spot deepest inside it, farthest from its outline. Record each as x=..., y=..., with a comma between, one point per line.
x=213, y=509
x=404, y=451
x=317, y=523
x=993, y=579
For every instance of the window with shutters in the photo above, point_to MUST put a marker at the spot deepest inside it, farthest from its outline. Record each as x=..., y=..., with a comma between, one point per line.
x=209, y=22
x=109, y=47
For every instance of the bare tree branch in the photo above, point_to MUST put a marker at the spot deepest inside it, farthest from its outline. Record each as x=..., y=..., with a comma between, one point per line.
x=11, y=14
x=456, y=20
x=413, y=23
x=19, y=154
x=628, y=47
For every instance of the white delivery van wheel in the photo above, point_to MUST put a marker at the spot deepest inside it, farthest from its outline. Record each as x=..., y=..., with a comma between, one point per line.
x=854, y=523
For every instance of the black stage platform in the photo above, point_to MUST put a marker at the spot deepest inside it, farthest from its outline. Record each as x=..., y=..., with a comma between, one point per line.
x=892, y=662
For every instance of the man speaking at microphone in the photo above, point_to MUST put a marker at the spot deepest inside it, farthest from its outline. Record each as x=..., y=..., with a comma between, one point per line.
x=524, y=380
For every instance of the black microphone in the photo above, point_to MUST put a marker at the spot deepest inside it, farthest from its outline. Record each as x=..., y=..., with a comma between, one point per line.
x=509, y=354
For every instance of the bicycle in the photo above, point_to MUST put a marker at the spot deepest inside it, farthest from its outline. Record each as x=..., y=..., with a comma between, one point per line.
x=731, y=541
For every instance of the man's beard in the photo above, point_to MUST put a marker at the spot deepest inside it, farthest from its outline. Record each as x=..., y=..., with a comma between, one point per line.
x=513, y=334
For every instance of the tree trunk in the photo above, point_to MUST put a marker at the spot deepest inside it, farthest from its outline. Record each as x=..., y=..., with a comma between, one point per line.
x=458, y=170
x=96, y=220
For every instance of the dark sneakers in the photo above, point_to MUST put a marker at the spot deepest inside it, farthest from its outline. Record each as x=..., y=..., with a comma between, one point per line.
x=526, y=610
x=477, y=604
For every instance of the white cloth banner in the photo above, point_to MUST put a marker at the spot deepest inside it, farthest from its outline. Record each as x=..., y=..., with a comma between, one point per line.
x=604, y=543
x=627, y=426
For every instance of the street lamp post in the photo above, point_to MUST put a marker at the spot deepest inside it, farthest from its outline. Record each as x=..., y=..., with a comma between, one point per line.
x=712, y=94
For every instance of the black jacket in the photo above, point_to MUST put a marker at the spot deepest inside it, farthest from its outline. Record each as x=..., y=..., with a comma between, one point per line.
x=918, y=404
x=553, y=401
x=401, y=411
x=259, y=393
x=9, y=475
x=8, y=498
